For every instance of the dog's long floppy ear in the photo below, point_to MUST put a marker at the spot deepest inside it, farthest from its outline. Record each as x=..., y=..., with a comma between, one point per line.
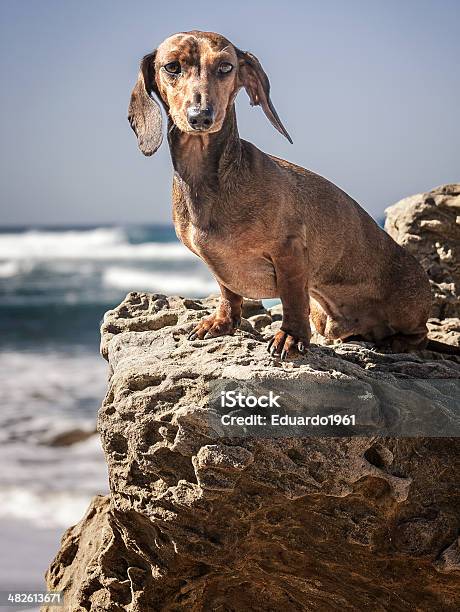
x=255, y=81
x=144, y=112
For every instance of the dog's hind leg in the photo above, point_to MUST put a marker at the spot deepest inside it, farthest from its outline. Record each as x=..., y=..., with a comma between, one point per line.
x=405, y=343
x=224, y=320
x=318, y=316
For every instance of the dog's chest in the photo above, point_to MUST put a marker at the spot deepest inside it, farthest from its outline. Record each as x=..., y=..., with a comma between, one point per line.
x=234, y=261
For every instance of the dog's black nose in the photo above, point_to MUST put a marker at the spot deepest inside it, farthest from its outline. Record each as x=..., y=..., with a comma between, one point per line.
x=200, y=118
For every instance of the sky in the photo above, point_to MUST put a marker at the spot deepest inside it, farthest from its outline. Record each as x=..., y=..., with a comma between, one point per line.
x=368, y=90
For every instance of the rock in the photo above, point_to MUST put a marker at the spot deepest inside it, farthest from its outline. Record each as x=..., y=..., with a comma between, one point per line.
x=79, y=557
x=252, y=308
x=72, y=436
x=428, y=225
x=202, y=518
x=259, y=322
x=446, y=330
x=197, y=521
x=276, y=312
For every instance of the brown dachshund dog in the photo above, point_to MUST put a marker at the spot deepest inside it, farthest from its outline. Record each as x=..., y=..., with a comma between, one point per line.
x=265, y=227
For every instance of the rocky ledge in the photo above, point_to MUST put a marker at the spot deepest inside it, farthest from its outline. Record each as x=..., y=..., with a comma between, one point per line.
x=200, y=520
x=428, y=225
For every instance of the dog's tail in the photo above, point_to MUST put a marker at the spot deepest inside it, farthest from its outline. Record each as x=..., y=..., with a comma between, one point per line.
x=440, y=347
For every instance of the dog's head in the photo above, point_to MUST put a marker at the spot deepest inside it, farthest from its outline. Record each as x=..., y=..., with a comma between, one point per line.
x=196, y=76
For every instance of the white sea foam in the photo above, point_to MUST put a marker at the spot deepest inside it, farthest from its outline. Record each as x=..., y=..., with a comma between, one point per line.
x=8, y=269
x=98, y=244
x=164, y=282
x=45, y=509
x=43, y=395
x=51, y=486
x=97, y=265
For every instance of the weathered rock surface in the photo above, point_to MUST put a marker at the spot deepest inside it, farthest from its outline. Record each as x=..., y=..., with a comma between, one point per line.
x=199, y=521
x=428, y=225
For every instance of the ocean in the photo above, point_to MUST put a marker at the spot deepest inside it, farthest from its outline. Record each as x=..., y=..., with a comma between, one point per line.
x=55, y=285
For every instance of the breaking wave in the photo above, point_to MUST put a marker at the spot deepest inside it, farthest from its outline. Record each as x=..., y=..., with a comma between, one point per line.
x=91, y=244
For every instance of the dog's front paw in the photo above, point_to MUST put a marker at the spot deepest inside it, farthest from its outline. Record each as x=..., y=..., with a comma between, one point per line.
x=212, y=327
x=285, y=345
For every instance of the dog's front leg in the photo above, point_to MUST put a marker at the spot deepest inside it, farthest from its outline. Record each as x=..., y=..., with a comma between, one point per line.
x=291, y=279
x=225, y=319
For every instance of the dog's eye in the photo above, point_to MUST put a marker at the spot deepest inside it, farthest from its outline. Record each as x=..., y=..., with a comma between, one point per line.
x=225, y=68
x=172, y=68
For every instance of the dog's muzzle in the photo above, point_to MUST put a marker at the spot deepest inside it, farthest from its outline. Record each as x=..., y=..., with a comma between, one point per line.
x=200, y=118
